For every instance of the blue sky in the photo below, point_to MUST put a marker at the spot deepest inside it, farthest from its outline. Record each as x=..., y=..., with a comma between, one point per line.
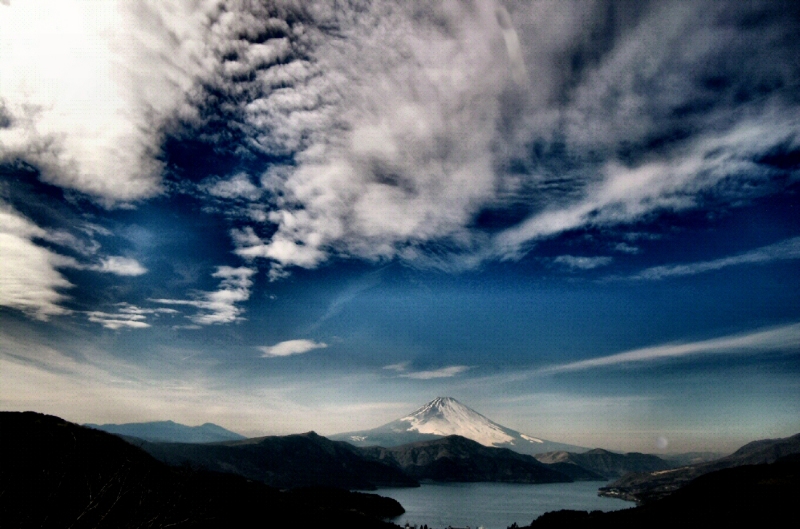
x=579, y=218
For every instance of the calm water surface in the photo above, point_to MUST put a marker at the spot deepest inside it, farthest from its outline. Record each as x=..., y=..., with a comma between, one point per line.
x=495, y=505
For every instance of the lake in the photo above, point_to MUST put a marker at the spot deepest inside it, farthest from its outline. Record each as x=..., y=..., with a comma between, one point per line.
x=495, y=505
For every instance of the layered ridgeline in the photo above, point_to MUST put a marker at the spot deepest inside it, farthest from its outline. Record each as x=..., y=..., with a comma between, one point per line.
x=458, y=459
x=649, y=486
x=605, y=464
x=445, y=416
x=170, y=432
x=55, y=474
x=290, y=461
x=304, y=460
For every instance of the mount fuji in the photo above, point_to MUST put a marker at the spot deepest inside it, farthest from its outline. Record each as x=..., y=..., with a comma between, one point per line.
x=445, y=416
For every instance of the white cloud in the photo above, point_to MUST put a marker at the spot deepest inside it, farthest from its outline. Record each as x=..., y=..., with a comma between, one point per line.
x=581, y=262
x=774, y=339
x=29, y=277
x=219, y=306
x=89, y=86
x=291, y=347
x=399, y=367
x=444, y=372
x=406, y=146
x=121, y=266
x=238, y=186
x=787, y=249
x=625, y=194
x=127, y=316
x=399, y=151
x=395, y=150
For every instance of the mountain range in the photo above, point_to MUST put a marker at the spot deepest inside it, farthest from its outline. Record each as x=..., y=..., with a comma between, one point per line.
x=170, y=432
x=291, y=461
x=606, y=464
x=59, y=474
x=56, y=474
x=458, y=459
x=446, y=416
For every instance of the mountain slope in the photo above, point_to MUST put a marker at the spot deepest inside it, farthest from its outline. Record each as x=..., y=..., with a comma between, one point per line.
x=608, y=464
x=56, y=474
x=170, y=432
x=445, y=416
x=292, y=461
x=458, y=459
x=649, y=486
x=762, y=495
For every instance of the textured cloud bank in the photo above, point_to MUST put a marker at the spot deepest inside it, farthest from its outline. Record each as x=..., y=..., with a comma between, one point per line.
x=29, y=276
x=388, y=130
x=87, y=87
x=410, y=122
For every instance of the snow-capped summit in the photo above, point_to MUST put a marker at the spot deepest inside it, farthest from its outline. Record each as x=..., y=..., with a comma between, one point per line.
x=445, y=416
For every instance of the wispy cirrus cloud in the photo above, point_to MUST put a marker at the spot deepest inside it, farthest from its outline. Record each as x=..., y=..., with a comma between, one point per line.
x=576, y=114
x=219, y=306
x=775, y=339
x=118, y=265
x=291, y=347
x=787, y=249
x=29, y=276
x=403, y=370
x=575, y=262
x=126, y=316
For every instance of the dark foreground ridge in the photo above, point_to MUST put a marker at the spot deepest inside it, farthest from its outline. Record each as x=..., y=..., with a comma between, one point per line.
x=747, y=496
x=57, y=474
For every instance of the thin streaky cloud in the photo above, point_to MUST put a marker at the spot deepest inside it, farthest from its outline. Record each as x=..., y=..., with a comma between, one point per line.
x=399, y=367
x=291, y=347
x=775, y=339
x=788, y=249
x=444, y=372
x=220, y=306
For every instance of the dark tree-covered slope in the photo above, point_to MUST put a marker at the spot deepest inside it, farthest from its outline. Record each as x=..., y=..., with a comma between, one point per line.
x=607, y=464
x=456, y=458
x=301, y=460
x=57, y=474
x=746, y=496
x=644, y=487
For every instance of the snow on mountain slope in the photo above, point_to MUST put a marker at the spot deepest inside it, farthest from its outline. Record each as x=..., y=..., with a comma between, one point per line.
x=445, y=416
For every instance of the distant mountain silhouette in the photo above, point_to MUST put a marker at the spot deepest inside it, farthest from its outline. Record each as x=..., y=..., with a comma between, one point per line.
x=648, y=486
x=445, y=416
x=607, y=464
x=456, y=458
x=170, y=432
x=763, y=495
x=301, y=460
x=55, y=474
